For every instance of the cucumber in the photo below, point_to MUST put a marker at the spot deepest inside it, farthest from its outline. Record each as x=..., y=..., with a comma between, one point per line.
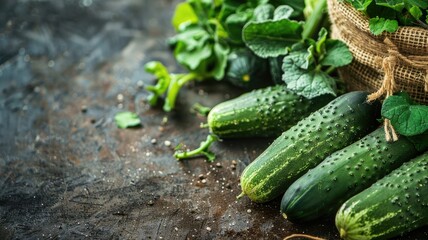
x=347, y=172
x=338, y=124
x=394, y=205
x=264, y=112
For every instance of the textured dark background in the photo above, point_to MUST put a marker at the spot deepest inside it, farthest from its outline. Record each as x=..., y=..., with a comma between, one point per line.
x=67, y=173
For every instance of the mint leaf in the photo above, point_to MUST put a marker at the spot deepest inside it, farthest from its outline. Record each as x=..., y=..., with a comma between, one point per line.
x=380, y=25
x=127, y=119
x=272, y=38
x=309, y=82
x=407, y=118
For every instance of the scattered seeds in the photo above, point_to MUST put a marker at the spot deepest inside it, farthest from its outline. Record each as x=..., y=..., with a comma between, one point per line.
x=204, y=181
x=248, y=210
x=167, y=143
x=208, y=229
x=119, y=97
x=154, y=141
x=201, y=176
x=218, y=165
x=234, y=162
x=84, y=108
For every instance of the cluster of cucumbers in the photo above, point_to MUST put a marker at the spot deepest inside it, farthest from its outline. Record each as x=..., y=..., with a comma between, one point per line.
x=330, y=157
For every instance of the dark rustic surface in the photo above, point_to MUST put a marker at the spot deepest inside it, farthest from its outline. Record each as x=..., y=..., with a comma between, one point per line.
x=66, y=170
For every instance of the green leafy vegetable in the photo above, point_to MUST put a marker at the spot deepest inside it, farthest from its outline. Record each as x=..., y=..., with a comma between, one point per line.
x=307, y=67
x=380, y=25
x=272, y=38
x=407, y=118
x=388, y=15
x=127, y=119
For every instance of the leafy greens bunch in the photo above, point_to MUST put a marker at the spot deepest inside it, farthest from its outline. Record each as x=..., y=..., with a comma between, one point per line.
x=388, y=15
x=200, y=46
x=207, y=32
x=307, y=62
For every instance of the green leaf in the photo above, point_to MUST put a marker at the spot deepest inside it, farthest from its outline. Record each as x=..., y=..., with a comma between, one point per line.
x=127, y=119
x=416, y=12
x=236, y=22
x=419, y=3
x=397, y=5
x=221, y=52
x=309, y=82
x=337, y=54
x=272, y=38
x=407, y=118
x=380, y=25
x=192, y=59
x=163, y=80
x=283, y=12
x=263, y=12
x=360, y=5
x=183, y=14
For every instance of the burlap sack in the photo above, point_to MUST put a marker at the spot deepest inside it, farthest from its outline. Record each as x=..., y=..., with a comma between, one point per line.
x=382, y=64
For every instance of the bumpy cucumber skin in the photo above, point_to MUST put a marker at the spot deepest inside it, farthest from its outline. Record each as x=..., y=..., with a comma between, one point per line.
x=323, y=189
x=264, y=112
x=394, y=205
x=338, y=124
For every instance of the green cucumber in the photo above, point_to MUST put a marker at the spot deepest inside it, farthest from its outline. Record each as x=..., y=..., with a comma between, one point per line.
x=394, y=205
x=338, y=124
x=264, y=112
x=346, y=173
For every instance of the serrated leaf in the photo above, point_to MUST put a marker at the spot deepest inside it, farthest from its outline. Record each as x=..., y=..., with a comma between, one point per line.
x=309, y=83
x=407, y=118
x=127, y=119
x=380, y=25
x=272, y=38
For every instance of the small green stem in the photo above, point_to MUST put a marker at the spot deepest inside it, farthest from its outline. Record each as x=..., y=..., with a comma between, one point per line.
x=315, y=19
x=200, y=109
x=176, y=83
x=330, y=70
x=202, y=150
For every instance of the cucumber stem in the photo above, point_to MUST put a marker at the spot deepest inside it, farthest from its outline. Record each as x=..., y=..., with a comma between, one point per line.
x=315, y=19
x=202, y=150
x=240, y=195
x=176, y=83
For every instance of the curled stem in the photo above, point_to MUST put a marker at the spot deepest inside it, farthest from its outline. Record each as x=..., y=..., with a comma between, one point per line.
x=202, y=150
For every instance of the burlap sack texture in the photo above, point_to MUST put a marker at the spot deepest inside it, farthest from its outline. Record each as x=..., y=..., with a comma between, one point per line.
x=382, y=64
